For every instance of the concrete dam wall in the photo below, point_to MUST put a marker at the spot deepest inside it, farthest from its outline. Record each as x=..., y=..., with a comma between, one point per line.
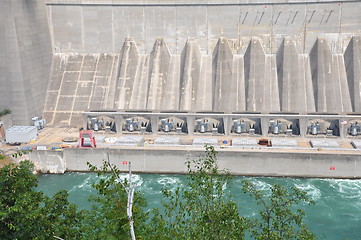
x=25, y=58
x=100, y=26
x=203, y=56
x=224, y=81
x=193, y=56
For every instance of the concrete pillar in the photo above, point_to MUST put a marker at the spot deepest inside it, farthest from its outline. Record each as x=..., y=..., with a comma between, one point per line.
x=303, y=122
x=159, y=62
x=227, y=123
x=352, y=58
x=265, y=126
x=118, y=123
x=190, y=125
x=260, y=79
x=327, y=72
x=225, y=88
x=342, y=128
x=154, y=121
x=85, y=121
x=295, y=84
x=190, y=75
x=128, y=59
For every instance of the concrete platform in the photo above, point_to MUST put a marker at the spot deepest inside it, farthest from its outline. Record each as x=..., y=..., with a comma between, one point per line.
x=333, y=159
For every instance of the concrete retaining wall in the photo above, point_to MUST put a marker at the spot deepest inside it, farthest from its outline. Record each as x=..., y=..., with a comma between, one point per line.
x=290, y=164
x=48, y=161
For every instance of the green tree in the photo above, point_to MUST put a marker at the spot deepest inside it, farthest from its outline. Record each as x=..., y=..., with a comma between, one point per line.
x=27, y=214
x=278, y=219
x=5, y=112
x=108, y=218
x=202, y=209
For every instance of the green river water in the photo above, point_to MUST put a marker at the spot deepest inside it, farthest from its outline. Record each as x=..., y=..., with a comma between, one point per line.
x=336, y=215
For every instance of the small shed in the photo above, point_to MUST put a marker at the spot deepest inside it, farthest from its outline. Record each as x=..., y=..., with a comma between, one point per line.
x=21, y=134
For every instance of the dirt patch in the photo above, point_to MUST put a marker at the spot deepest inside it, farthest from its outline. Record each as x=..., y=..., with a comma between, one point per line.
x=5, y=161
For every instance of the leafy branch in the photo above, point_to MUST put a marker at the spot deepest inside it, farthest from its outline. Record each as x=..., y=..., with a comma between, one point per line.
x=128, y=186
x=5, y=112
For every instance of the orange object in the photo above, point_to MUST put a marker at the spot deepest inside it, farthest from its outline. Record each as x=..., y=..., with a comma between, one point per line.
x=86, y=139
x=263, y=141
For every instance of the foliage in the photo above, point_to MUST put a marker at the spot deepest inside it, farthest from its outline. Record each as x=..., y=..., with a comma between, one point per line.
x=5, y=112
x=202, y=209
x=277, y=218
x=108, y=218
x=2, y=157
x=20, y=153
x=27, y=214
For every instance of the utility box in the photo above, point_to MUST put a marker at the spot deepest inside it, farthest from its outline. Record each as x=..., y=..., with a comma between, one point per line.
x=21, y=134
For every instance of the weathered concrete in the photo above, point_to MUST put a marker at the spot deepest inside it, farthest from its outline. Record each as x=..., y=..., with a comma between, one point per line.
x=158, y=74
x=224, y=87
x=77, y=83
x=48, y=161
x=93, y=26
x=6, y=121
x=195, y=56
x=25, y=58
x=190, y=76
x=222, y=82
x=327, y=73
x=254, y=163
x=294, y=81
x=352, y=58
x=128, y=62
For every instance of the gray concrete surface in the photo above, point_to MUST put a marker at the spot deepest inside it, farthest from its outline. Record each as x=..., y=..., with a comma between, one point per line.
x=245, y=162
x=25, y=58
x=194, y=56
x=93, y=26
x=234, y=56
x=6, y=121
x=352, y=57
x=226, y=82
x=77, y=83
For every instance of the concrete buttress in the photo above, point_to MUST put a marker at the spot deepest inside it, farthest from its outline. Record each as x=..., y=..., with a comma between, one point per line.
x=329, y=90
x=352, y=59
x=158, y=74
x=190, y=71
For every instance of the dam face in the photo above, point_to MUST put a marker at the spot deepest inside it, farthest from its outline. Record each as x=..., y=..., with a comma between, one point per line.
x=25, y=58
x=197, y=56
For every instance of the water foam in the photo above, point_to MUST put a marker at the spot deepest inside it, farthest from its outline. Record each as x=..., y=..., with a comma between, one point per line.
x=350, y=189
x=169, y=181
x=85, y=185
x=261, y=185
x=312, y=191
x=136, y=179
x=172, y=183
